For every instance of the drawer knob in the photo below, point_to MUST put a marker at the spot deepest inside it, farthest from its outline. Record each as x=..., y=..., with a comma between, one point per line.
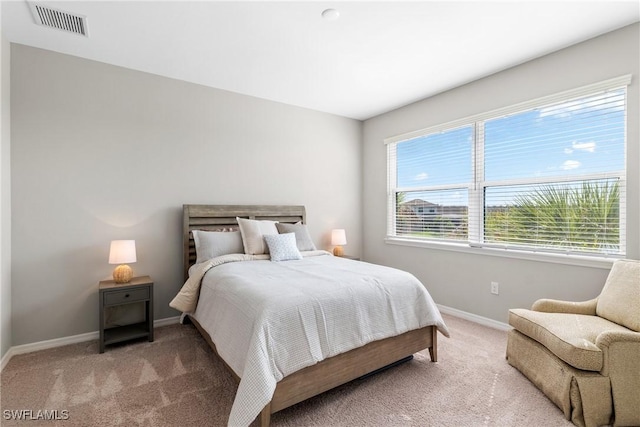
x=126, y=295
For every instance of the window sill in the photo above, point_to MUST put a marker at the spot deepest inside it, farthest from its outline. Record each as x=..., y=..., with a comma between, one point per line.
x=582, y=261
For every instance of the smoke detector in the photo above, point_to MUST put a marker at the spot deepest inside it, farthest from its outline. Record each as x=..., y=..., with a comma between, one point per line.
x=59, y=19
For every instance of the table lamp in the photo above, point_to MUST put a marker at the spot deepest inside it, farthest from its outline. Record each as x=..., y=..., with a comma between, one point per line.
x=338, y=238
x=122, y=252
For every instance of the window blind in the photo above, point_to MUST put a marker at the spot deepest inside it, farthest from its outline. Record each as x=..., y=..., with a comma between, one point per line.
x=544, y=175
x=433, y=174
x=554, y=176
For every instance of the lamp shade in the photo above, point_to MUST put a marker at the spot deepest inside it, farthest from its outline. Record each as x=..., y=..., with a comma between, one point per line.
x=338, y=237
x=122, y=252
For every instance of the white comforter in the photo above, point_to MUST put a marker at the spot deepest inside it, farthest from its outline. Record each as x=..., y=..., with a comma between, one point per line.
x=270, y=319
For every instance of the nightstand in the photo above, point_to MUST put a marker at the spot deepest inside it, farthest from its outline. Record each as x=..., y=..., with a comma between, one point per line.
x=355, y=258
x=112, y=294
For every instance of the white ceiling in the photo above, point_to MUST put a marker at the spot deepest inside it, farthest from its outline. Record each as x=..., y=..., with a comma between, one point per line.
x=376, y=57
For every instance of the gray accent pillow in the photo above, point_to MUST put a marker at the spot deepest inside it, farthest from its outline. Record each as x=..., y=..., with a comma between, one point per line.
x=210, y=244
x=282, y=247
x=303, y=239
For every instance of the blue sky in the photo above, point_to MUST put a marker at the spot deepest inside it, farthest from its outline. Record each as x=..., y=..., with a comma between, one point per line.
x=583, y=136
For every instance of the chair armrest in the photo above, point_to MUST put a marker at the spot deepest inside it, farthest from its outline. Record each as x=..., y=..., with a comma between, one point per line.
x=621, y=357
x=607, y=339
x=557, y=306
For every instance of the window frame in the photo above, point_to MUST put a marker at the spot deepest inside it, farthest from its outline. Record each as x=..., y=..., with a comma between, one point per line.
x=476, y=188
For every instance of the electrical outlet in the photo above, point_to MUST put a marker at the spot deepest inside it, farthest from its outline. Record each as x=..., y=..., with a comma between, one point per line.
x=495, y=288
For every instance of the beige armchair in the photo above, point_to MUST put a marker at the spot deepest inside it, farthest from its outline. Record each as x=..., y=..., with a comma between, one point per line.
x=585, y=356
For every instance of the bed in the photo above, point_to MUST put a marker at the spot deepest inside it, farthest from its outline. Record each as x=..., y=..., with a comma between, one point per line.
x=325, y=374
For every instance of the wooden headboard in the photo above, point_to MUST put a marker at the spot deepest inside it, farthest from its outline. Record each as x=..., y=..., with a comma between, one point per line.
x=219, y=217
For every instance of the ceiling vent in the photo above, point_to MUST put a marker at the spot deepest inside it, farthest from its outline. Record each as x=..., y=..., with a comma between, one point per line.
x=54, y=18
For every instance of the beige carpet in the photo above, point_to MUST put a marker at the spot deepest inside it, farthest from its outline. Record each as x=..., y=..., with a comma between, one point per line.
x=176, y=381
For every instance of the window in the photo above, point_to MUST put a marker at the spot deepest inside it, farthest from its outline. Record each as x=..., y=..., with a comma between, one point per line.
x=433, y=176
x=546, y=176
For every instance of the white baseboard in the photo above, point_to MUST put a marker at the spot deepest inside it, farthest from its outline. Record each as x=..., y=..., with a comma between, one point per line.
x=74, y=339
x=5, y=359
x=485, y=321
x=89, y=336
x=166, y=321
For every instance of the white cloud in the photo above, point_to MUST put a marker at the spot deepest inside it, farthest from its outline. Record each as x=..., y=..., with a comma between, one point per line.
x=571, y=164
x=421, y=176
x=589, y=147
x=584, y=146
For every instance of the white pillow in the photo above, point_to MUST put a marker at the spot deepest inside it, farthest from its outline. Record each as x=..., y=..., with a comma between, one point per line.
x=283, y=246
x=210, y=244
x=253, y=233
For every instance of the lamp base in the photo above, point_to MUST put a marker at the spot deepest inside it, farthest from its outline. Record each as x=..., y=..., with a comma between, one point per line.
x=122, y=274
x=338, y=251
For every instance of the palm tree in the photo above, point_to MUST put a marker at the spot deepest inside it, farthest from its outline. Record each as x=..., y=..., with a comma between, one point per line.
x=584, y=217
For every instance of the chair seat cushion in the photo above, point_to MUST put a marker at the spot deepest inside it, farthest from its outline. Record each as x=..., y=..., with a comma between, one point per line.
x=571, y=337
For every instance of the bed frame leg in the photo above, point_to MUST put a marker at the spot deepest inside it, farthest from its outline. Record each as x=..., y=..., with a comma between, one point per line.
x=433, y=350
x=265, y=416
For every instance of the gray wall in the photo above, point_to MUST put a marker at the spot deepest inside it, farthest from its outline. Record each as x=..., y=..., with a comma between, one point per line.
x=5, y=197
x=101, y=152
x=462, y=280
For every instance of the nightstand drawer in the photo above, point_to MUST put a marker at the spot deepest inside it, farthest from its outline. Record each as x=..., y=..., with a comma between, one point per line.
x=123, y=297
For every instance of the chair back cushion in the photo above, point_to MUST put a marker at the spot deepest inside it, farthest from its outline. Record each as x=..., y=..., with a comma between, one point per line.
x=619, y=301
